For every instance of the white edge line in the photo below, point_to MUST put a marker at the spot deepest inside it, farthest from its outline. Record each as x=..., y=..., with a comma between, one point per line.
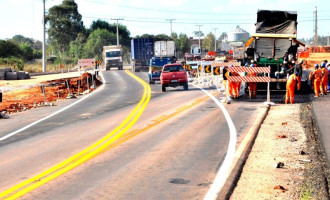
x=222, y=173
x=55, y=113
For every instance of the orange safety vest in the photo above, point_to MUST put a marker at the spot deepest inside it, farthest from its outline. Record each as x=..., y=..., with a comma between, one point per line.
x=317, y=74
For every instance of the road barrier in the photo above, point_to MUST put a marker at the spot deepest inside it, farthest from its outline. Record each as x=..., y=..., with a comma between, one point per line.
x=258, y=79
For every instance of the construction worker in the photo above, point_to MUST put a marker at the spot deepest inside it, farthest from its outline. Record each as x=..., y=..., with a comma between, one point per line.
x=231, y=85
x=297, y=68
x=234, y=85
x=252, y=85
x=290, y=87
x=225, y=74
x=324, y=79
x=328, y=67
x=316, y=76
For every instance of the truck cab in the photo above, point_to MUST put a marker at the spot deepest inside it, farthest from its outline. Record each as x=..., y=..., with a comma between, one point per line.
x=113, y=57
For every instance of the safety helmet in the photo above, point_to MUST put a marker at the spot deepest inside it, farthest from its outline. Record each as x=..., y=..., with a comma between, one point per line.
x=323, y=64
x=252, y=65
x=301, y=62
x=231, y=65
x=316, y=66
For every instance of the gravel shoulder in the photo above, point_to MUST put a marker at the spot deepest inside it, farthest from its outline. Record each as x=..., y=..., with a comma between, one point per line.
x=285, y=161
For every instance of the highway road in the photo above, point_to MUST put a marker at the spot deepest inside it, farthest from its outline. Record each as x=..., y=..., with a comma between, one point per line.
x=167, y=147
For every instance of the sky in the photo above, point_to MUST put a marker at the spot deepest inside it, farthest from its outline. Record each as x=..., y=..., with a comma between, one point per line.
x=24, y=17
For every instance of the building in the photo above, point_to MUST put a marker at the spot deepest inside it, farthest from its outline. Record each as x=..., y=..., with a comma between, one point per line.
x=194, y=48
x=238, y=34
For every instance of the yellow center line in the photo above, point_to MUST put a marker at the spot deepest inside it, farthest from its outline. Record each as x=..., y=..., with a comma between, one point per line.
x=84, y=155
x=157, y=121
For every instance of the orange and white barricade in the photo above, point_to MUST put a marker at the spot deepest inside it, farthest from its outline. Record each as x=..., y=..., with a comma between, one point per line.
x=257, y=79
x=217, y=68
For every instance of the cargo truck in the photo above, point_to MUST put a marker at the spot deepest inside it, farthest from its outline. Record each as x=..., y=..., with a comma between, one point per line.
x=164, y=52
x=274, y=42
x=142, y=50
x=112, y=57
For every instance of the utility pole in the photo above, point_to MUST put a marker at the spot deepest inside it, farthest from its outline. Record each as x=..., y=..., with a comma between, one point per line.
x=44, y=38
x=117, y=19
x=215, y=39
x=170, y=20
x=199, y=38
x=315, y=36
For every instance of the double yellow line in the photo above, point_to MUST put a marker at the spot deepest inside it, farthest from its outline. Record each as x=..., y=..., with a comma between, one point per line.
x=86, y=154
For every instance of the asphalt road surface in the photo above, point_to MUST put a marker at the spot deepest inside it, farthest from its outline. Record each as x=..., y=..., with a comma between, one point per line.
x=173, y=150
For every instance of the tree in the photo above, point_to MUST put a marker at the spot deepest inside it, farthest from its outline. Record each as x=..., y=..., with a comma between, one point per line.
x=160, y=37
x=208, y=43
x=181, y=43
x=95, y=42
x=8, y=49
x=124, y=34
x=223, y=36
x=77, y=46
x=27, y=51
x=64, y=25
x=198, y=33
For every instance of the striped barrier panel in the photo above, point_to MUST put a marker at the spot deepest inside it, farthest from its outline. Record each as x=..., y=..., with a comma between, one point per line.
x=257, y=79
x=250, y=69
x=223, y=64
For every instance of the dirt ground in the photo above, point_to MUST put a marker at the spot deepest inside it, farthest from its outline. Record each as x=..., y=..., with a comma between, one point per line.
x=18, y=96
x=284, y=162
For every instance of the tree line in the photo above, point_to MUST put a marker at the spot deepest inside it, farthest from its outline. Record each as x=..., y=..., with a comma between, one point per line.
x=69, y=40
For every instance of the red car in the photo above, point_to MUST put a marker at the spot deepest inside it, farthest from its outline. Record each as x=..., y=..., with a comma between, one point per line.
x=173, y=75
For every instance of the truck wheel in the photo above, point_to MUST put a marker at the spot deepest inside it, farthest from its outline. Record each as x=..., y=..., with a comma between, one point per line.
x=163, y=88
x=185, y=86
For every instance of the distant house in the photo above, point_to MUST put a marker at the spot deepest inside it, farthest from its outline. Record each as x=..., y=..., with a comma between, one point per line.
x=194, y=47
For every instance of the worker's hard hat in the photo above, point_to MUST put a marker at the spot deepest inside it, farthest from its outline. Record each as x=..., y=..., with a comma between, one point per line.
x=301, y=61
x=316, y=66
x=323, y=64
x=252, y=65
x=231, y=65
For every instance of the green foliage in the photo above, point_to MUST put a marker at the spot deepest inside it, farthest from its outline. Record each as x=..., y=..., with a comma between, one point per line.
x=208, y=43
x=160, y=37
x=77, y=46
x=182, y=43
x=124, y=34
x=223, y=36
x=8, y=49
x=12, y=62
x=64, y=25
x=95, y=42
x=198, y=33
x=27, y=51
x=321, y=40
